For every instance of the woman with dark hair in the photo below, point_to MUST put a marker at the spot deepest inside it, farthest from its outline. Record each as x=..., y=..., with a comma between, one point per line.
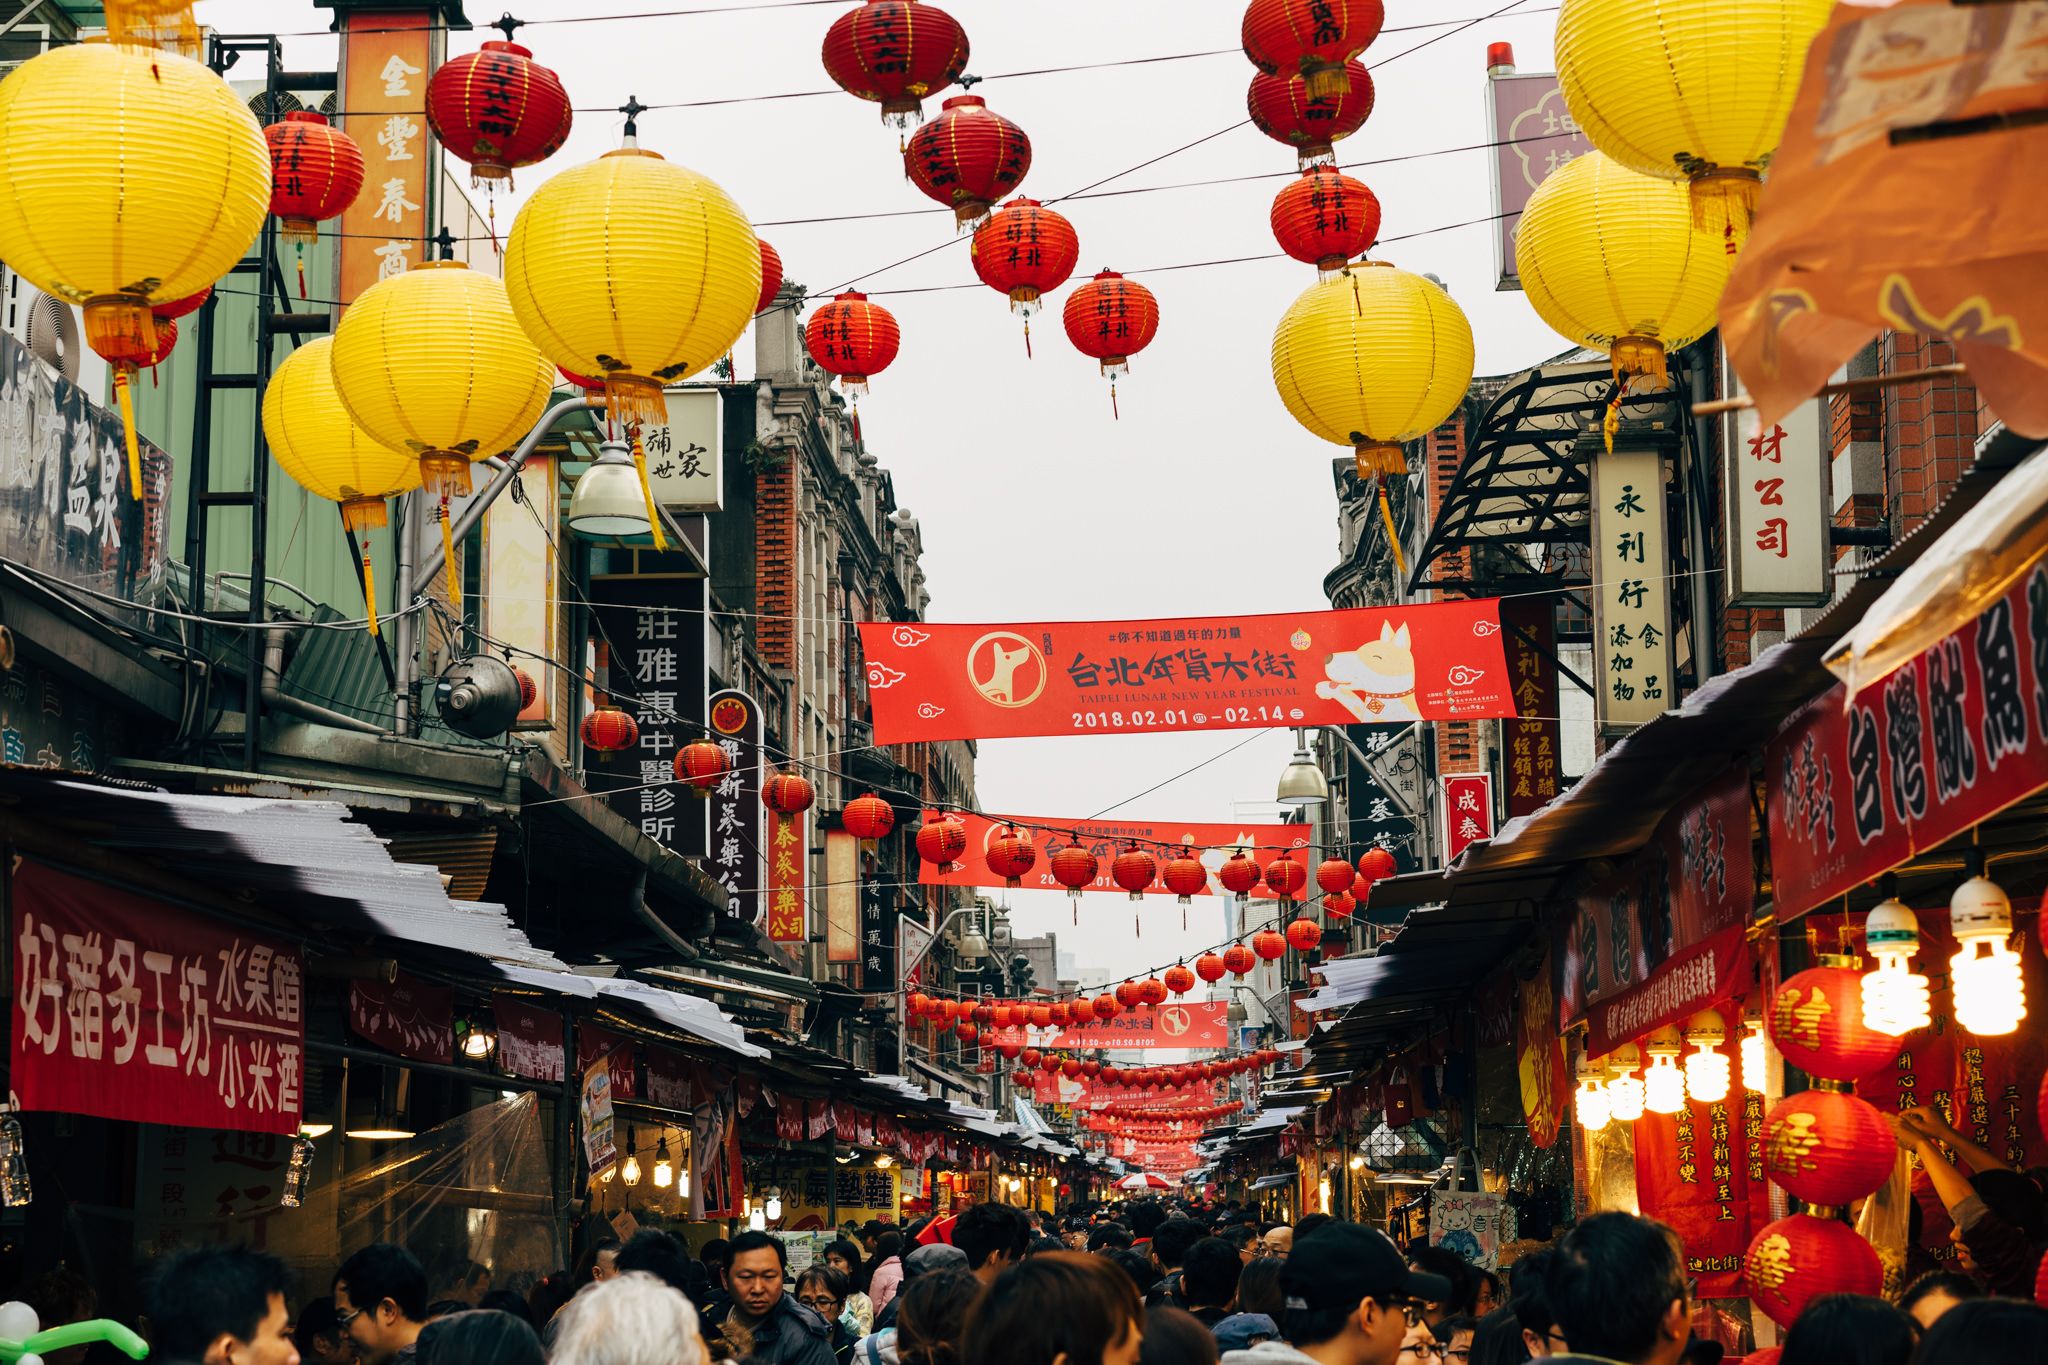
x=1258, y=1289
x=887, y=1275
x=1983, y=1331
x=1849, y=1329
x=479, y=1337
x=823, y=1290
x=1486, y=1295
x=1998, y=1213
x=1175, y=1337
x=1135, y=1264
x=596, y=1262
x=933, y=1318
x=1499, y=1339
x=844, y=1257
x=1436, y=1260
x=1063, y=1303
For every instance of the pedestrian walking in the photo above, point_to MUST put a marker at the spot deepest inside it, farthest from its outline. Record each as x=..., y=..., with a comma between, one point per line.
x=824, y=1291
x=1987, y=1332
x=1174, y=1337
x=631, y=1319
x=480, y=1337
x=224, y=1305
x=1067, y=1304
x=763, y=1321
x=380, y=1298
x=1850, y=1329
x=1350, y=1300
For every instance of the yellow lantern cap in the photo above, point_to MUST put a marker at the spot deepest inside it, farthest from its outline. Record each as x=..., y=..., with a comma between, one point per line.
x=126, y=171
x=315, y=441
x=1609, y=259
x=1690, y=90
x=633, y=268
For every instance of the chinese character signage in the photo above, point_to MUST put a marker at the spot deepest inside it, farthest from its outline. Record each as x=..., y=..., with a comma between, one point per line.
x=655, y=627
x=1856, y=788
x=1195, y=1025
x=1700, y=1172
x=128, y=1008
x=1534, y=773
x=736, y=811
x=1779, y=550
x=383, y=233
x=787, y=859
x=877, y=935
x=1631, y=598
x=686, y=457
x=842, y=896
x=1429, y=661
x=405, y=1016
x=1212, y=845
x=1382, y=796
x=1468, y=812
x=1533, y=134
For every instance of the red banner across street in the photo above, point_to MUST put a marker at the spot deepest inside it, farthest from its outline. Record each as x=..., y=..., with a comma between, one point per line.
x=1432, y=661
x=1174, y=1024
x=1211, y=845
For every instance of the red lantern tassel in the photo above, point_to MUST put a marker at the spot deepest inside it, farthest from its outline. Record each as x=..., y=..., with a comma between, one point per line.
x=1027, y=338
x=302, y=271
x=1114, y=415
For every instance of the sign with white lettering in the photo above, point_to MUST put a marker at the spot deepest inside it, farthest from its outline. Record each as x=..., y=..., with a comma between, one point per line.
x=736, y=810
x=1776, y=478
x=655, y=627
x=1632, y=596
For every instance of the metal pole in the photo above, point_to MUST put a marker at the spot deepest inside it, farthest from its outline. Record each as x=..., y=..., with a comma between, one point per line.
x=405, y=629
x=435, y=556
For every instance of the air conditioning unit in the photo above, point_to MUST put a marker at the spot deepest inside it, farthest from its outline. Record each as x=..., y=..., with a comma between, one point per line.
x=45, y=324
x=256, y=95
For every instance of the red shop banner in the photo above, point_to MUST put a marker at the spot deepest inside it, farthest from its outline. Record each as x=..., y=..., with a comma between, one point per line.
x=1212, y=846
x=128, y=1008
x=1196, y=1025
x=1694, y=979
x=592, y=1043
x=1700, y=1171
x=530, y=1039
x=1534, y=767
x=1959, y=734
x=405, y=1016
x=1434, y=661
x=1090, y=1093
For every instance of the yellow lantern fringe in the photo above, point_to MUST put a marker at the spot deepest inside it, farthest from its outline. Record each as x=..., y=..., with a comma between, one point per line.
x=1724, y=204
x=634, y=401
x=359, y=515
x=647, y=492
x=1393, y=536
x=448, y=556
x=1633, y=358
x=165, y=24
x=123, y=373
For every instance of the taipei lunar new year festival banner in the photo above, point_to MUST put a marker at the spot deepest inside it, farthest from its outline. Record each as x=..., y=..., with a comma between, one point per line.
x=1437, y=661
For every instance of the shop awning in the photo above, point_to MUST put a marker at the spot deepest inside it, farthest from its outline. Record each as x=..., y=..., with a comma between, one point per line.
x=684, y=1013
x=1273, y=1182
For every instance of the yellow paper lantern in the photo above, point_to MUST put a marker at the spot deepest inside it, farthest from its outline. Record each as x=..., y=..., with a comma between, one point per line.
x=128, y=176
x=1369, y=359
x=433, y=362
x=636, y=269
x=1689, y=90
x=1609, y=259
x=315, y=441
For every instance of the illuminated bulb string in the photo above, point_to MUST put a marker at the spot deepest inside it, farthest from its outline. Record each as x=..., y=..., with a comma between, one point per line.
x=1754, y=1062
x=1625, y=1097
x=1663, y=1085
x=1593, y=1110
x=1706, y=1076
x=1990, y=997
x=1895, y=1000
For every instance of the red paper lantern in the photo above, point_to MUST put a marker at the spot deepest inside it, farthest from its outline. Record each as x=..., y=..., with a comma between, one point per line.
x=1816, y=1020
x=608, y=730
x=1011, y=855
x=999, y=1015
x=166, y=339
x=1326, y=218
x=1286, y=876
x=967, y=158
x=941, y=842
x=1268, y=944
x=1134, y=870
x=985, y=1038
x=1826, y=1147
x=1072, y=867
x=1152, y=991
x=1305, y=935
x=1210, y=967
x=1111, y=319
x=1376, y=863
x=895, y=52
x=1084, y=1010
x=867, y=817
x=701, y=766
x=1283, y=110
x=1112, y=1076
x=964, y=1031
x=1796, y=1260
x=1022, y=1077
x=1031, y=1056
x=1333, y=875
x=1071, y=1066
x=1108, y=1006
x=1062, y=1013
x=1026, y=251
x=316, y=171
x=1311, y=38
x=1041, y=1016
x=982, y=1013
x=950, y=1010
x=1091, y=1068
x=498, y=109
x=1129, y=996
x=1339, y=905
x=1179, y=980
x=177, y=308
x=1184, y=876
x=771, y=276
x=916, y=1003
x=1238, y=959
x=853, y=339
x=1238, y=874
x=528, y=688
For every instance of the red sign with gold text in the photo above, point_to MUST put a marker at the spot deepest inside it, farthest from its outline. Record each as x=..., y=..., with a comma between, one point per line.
x=1432, y=661
x=1700, y=1171
x=384, y=232
x=786, y=862
x=128, y=1008
x=1212, y=846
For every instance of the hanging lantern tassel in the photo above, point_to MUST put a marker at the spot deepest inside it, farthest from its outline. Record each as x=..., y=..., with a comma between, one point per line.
x=1393, y=536
x=301, y=249
x=358, y=516
x=123, y=373
x=1027, y=337
x=448, y=554
x=1724, y=199
x=647, y=491
x=1114, y=415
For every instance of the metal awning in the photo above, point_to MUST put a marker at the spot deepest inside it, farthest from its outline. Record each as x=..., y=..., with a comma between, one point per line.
x=1274, y=1182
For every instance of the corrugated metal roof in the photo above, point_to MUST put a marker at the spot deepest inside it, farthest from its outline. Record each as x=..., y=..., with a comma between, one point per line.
x=341, y=670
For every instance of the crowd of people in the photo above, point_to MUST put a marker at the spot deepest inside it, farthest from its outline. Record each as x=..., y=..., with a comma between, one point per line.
x=1135, y=1283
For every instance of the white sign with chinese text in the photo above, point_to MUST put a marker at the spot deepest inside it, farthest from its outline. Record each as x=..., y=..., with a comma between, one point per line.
x=686, y=458
x=1776, y=482
x=1632, y=587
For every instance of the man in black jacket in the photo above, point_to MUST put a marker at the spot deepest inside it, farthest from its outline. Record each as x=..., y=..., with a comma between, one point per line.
x=762, y=1320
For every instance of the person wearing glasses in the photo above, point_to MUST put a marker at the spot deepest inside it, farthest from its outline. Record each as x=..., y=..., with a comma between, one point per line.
x=1454, y=1335
x=824, y=1291
x=380, y=1300
x=1419, y=1345
x=762, y=1321
x=1351, y=1300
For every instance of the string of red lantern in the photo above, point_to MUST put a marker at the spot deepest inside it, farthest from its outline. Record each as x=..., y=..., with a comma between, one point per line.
x=498, y=110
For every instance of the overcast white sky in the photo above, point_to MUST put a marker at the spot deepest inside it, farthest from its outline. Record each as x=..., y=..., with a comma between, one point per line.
x=1206, y=497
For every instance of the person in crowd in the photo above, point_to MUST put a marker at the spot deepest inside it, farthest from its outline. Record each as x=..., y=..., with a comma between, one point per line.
x=1419, y=1345
x=1446, y=1265
x=824, y=1291
x=1498, y=1340
x=505, y=1301
x=871, y=1234
x=1075, y=1234
x=1486, y=1296
x=480, y=1337
x=1072, y=1308
x=844, y=1256
x=1454, y=1338
x=1278, y=1240
x=1850, y=1329
x=1145, y=1218
x=548, y=1298
x=994, y=1236
x=933, y=1318
x=1208, y=1280
x=1136, y=1265
x=467, y=1283
x=1242, y=1331
x=1984, y=1331
x=1241, y=1237
x=717, y=1258
x=887, y=1274
x=1529, y=1301
x=926, y=1260
x=1349, y=1298
x=1617, y=1288
x=1173, y=1337
x=380, y=1298
x=1933, y=1294
x=763, y=1321
x=662, y=1255
x=1998, y=1213
x=224, y=1305
x=1309, y=1222
x=319, y=1336
x=1109, y=1237
x=1258, y=1288
x=1170, y=1243
x=630, y=1319
x=441, y=1308
x=599, y=1261
x=1041, y=1245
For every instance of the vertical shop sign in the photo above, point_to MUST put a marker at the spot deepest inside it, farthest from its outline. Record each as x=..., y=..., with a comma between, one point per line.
x=877, y=936
x=787, y=859
x=598, y=1150
x=1700, y=1171
x=1539, y=1056
x=1468, y=812
x=128, y=1008
x=655, y=626
x=736, y=810
x=1781, y=554
x=842, y=896
x=1632, y=600
x=686, y=454
x=1529, y=625
x=1381, y=818
x=384, y=232
x=1533, y=134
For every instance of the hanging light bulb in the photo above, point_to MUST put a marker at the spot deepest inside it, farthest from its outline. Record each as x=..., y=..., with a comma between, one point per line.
x=1357, y=1160
x=757, y=1221
x=664, y=1169
x=1664, y=1083
x=609, y=1172
x=630, y=1171
x=1590, y=1104
x=1624, y=1088
x=1894, y=995
x=1990, y=997
x=773, y=1206
x=1754, y=1060
x=882, y=1161
x=1706, y=1070
x=297, y=1173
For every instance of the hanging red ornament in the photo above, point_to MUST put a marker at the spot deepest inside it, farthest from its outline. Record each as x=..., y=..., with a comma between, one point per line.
x=986, y=1038
x=1084, y=1011
x=1071, y=1067
x=788, y=795
x=1049, y=1063
x=1333, y=875
x=1179, y=980
x=1031, y=1057
x=1283, y=110
x=1376, y=864
x=1129, y=996
x=1041, y=1016
x=771, y=276
x=1238, y=874
x=1108, y=1006
x=1268, y=944
x=1326, y=218
x=868, y=818
x=1062, y=1013
x=1210, y=967
x=1011, y=856
x=1827, y=1147
x=1026, y=251
x=1339, y=906
x=1239, y=959
x=528, y=688
x=917, y=1004
x=1311, y=38
x=315, y=172
x=1091, y=1068
x=999, y=1015
x=1795, y=1260
x=1152, y=991
x=894, y=53
x=941, y=842
x=1184, y=876
x=967, y=158
x=853, y=339
x=498, y=109
x=1074, y=868
x=608, y=729
x=1816, y=1020
x=982, y=1013
x=701, y=766
x=1286, y=876
x=1111, y=319
x=1305, y=935
x=964, y=1031
x=1134, y=870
